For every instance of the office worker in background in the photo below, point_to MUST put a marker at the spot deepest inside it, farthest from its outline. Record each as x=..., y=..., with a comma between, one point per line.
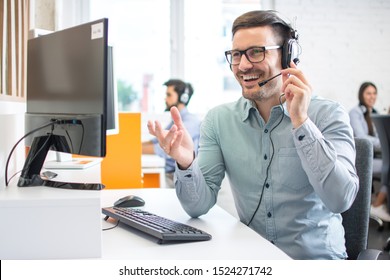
x=178, y=94
x=289, y=156
x=363, y=127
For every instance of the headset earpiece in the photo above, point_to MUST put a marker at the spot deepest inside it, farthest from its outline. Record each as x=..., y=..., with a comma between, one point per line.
x=290, y=52
x=291, y=49
x=185, y=96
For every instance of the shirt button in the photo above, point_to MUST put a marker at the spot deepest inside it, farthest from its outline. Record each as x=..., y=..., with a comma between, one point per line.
x=267, y=185
x=265, y=157
x=300, y=137
x=265, y=130
x=269, y=215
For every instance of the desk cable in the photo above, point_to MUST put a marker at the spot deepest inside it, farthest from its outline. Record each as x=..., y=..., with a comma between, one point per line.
x=114, y=226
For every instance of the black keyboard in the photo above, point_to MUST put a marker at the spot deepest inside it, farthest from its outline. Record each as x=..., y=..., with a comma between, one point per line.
x=164, y=229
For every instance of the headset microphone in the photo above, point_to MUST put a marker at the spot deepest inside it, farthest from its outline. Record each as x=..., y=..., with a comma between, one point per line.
x=262, y=83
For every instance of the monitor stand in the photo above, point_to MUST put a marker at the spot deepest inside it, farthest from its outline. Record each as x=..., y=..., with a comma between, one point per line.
x=34, y=162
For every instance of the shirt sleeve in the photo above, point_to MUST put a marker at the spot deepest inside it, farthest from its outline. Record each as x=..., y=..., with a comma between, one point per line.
x=191, y=189
x=327, y=152
x=195, y=194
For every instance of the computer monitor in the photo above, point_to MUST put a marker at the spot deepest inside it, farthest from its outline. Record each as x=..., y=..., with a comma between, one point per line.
x=112, y=95
x=67, y=101
x=59, y=160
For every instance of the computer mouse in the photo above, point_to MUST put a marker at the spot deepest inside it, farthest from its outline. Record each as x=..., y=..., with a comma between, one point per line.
x=130, y=201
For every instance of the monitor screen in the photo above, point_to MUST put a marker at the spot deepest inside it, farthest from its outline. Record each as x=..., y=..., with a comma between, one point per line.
x=67, y=95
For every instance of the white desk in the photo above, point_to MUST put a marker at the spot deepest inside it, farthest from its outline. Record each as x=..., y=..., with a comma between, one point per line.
x=57, y=223
x=68, y=171
x=230, y=238
x=49, y=223
x=91, y=174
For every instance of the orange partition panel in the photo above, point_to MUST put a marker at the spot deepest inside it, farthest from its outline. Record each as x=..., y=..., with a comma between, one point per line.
x=121, y=168
x=151, y=180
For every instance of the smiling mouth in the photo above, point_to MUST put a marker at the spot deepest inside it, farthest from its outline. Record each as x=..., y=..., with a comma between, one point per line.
x=249, y=78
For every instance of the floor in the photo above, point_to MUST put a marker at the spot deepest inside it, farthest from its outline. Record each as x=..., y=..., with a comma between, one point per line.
x=377, y=238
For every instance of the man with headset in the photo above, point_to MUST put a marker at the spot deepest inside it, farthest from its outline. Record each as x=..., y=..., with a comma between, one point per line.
x=178, y=94
x=289, y=156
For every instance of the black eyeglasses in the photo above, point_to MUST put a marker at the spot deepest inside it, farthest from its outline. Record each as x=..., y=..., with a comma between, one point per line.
x=253, y=54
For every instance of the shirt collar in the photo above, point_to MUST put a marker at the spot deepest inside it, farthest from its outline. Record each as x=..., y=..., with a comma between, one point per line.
x=248, y=106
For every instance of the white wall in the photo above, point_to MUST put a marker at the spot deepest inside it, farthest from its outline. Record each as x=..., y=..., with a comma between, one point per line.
x=344, y=43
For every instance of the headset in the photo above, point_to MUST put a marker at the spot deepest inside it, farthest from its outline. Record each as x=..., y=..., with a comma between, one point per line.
x=290, y=52
x=291, y=49
x=185, y=96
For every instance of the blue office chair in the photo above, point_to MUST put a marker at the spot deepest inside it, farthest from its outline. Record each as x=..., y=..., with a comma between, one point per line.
x=382, y=125
x=356, y=218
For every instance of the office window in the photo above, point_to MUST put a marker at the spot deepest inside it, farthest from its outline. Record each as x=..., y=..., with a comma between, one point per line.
x=208, y=35
x=155, y=40
x=140, y=34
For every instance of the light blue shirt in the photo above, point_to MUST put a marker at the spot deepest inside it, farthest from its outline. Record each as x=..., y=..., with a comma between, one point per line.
x=360, y=127
x=311, y=174
x=192, y=124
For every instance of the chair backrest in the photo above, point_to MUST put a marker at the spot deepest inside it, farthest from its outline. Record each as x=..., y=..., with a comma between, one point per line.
x=382, y=125
x=356, y=219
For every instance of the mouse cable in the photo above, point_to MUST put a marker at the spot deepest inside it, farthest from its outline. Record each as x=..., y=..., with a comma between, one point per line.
x=117, y=223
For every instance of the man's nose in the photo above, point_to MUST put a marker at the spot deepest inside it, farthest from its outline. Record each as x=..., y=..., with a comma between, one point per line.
x=245, y=64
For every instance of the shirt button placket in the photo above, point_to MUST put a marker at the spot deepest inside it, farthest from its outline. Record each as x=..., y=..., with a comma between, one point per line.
x=265, y=155
x=267, y=200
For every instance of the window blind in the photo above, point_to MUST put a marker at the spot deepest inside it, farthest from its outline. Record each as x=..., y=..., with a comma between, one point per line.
x=14, y=25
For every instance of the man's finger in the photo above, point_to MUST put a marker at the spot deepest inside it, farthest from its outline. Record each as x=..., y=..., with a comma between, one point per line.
x=176, y=117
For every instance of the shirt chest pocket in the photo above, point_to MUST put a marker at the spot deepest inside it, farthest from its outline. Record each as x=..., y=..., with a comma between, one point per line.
x=291, y=173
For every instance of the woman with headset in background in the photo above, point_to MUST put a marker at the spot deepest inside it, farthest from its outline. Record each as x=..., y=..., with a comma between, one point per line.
x=363, y=127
